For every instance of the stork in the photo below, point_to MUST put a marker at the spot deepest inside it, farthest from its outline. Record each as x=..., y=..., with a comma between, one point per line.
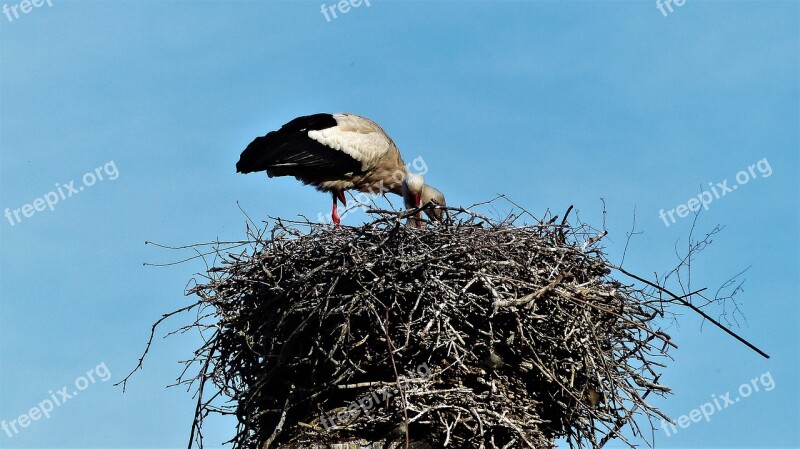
x=338, y=152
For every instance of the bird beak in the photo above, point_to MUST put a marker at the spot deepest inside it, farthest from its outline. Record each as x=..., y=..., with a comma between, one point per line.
x=340, y=195
x=433, y=212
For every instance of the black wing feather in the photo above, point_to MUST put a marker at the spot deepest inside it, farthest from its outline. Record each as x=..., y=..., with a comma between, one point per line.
x=290, y=152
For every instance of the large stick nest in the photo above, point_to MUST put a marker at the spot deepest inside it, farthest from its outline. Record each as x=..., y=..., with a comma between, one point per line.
x=468, y=333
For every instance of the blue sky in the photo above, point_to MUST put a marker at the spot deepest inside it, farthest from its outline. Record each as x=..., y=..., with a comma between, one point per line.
x=551, y=103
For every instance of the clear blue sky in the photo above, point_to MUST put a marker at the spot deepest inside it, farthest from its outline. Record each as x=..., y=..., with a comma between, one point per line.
x=552, y=103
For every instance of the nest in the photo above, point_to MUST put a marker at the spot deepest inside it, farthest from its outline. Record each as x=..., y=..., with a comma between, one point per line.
x=468, y=333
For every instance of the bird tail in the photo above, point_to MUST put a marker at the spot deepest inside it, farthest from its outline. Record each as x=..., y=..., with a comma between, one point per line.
x=252, y=158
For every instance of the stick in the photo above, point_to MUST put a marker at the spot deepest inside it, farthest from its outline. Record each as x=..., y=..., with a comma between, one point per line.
x=691, y=306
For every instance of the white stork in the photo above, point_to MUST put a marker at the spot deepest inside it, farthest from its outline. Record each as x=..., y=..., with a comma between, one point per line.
x=338, y=152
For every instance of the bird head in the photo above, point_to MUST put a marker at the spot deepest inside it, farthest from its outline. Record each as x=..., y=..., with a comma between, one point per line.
x=416, y=193
x=431, y=195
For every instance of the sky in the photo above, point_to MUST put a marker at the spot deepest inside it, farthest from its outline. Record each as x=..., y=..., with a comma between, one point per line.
x=121, y=122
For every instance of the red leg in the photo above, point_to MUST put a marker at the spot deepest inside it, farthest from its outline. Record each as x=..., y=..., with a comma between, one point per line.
x=417, y=201
x=334, y=214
